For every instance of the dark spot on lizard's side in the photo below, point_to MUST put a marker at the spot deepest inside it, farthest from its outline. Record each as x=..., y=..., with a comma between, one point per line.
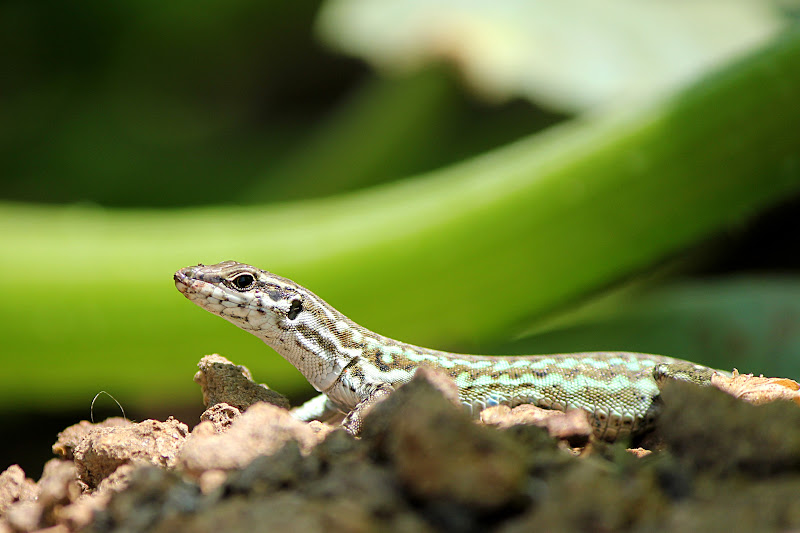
x=383, y=367
x=409, y=366
x=372, y=354
x=274, y=295
x=356, y=371
x=295, y=308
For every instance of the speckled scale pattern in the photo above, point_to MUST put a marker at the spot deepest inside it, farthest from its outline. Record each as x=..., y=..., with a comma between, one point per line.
x=617, y=389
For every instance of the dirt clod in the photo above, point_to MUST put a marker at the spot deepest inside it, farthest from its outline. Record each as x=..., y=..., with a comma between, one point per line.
x=15, y=487
x=713, y=431
x=224, y=382
x=70, y=437
x=261, y=430
x=428, y=440
x=421, y=465
x=24, y=516
x=572, y=426
x=220, y=416
x=104, y=449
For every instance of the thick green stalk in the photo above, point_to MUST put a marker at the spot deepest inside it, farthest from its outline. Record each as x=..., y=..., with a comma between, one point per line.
x=449, y=259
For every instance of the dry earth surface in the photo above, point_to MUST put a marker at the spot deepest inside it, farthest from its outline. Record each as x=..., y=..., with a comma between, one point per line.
x=715, y=463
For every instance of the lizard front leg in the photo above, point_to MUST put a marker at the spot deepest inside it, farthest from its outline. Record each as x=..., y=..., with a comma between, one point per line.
x=352, y=422
x=317, y=408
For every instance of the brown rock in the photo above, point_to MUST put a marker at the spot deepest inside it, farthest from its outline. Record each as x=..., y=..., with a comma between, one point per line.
x=639, y=452
x=210, y=480
x=60, y=528
x=320, y=429
x=442, y=382
x=716, y=432
x=205, y=428
x=152, y=494
x=117, y=481
x=572, y=426
x=221, y=416
x=70, y=437
x=282, y=512
x=57, y=488
x=225, y=382
x=261, y=430
x=59, y=483
x=757, y=390
x=150, y=442
x=24, y=516
x=80, y=514
x=14, y=487
x=439, y=453
x=501, y=416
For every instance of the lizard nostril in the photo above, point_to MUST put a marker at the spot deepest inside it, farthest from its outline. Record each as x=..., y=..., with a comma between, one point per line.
x=184, y=273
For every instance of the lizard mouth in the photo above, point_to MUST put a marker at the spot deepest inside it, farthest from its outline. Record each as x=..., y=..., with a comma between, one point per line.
x=181, y=280
x=205, y=290
x=186, y=283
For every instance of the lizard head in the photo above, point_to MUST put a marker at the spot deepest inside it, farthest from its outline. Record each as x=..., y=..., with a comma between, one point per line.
x=255, y=300
x=291, y=319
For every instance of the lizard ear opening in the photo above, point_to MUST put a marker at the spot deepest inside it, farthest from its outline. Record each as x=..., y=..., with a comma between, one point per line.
x=295, y=308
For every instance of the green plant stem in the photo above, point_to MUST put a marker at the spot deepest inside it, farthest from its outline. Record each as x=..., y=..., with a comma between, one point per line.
x=450, y=259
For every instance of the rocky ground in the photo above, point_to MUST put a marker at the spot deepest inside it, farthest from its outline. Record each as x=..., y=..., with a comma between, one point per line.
x=715, y=463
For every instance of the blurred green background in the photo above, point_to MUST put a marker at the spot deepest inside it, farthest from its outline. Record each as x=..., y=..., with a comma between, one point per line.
x=457, y=176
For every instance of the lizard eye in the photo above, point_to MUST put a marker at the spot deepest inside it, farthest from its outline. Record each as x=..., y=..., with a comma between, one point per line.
x=243, y=281
x=295, y=308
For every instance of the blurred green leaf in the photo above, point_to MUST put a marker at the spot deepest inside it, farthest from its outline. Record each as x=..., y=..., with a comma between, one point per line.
x=366, y=141
x=750, y=322
x=388, y=129
x=455, y=259
x=102, y=100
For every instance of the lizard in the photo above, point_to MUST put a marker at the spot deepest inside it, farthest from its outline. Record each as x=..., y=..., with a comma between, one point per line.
x=353, y=368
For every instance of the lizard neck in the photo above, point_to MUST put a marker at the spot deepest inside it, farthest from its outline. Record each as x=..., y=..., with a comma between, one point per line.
x=324, y=342
x=321, y=343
